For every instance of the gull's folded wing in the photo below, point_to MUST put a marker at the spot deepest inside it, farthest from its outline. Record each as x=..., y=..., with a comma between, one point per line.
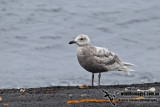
x=104, y=56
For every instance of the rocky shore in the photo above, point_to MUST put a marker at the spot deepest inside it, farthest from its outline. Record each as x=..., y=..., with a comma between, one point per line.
x=84, y=96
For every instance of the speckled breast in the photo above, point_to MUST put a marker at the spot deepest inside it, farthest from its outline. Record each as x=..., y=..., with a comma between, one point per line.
x=87, y=61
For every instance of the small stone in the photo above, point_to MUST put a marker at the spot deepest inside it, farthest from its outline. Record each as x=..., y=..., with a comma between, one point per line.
x=0, y=98
x=5, y=104
x=83, y=95
x=70, y=95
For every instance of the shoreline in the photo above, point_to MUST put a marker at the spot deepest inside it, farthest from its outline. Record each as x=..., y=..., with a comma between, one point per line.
x=60, y=95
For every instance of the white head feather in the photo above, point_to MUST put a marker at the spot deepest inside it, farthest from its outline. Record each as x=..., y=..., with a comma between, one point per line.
x=82, y=40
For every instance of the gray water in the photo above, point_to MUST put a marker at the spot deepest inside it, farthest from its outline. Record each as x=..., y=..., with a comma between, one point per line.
x=34, y=36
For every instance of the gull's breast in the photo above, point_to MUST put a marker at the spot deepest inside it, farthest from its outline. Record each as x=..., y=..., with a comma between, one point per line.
x=88, y=62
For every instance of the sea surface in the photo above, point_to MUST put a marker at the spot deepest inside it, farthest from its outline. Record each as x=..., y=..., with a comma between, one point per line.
x=34, y=37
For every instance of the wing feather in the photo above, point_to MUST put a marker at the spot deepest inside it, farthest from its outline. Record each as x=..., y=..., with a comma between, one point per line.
x=104, y=56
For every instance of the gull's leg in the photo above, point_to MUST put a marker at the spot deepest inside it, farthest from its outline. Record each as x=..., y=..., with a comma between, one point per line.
x=99, y=78
x=92, y=79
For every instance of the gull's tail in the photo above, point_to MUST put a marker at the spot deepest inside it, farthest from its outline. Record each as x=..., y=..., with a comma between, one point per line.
x=126, y=69
x=128, y=64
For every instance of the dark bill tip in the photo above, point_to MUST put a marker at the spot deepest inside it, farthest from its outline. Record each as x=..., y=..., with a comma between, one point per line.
x=71, y=42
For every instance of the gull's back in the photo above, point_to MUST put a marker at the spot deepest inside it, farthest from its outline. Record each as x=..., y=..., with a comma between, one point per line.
x=97, y=59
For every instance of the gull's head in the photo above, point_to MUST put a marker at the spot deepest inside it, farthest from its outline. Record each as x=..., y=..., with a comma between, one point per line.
x=81, y=40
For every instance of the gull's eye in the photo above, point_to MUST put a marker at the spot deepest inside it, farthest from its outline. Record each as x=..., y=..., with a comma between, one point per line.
x=81, y=38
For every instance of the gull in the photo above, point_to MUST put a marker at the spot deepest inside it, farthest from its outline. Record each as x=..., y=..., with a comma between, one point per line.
x=98, y=59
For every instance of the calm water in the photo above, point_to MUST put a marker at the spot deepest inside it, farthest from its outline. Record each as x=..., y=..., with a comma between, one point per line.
x=34, y=36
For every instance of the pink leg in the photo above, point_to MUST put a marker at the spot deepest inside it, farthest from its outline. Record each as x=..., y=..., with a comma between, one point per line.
x=99, y=78
x=92, y=79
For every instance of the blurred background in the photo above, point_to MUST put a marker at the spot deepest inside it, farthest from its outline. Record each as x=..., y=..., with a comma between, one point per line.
x=34, y=36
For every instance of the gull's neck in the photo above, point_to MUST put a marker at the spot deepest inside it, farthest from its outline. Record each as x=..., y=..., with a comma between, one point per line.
x=85, y=46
